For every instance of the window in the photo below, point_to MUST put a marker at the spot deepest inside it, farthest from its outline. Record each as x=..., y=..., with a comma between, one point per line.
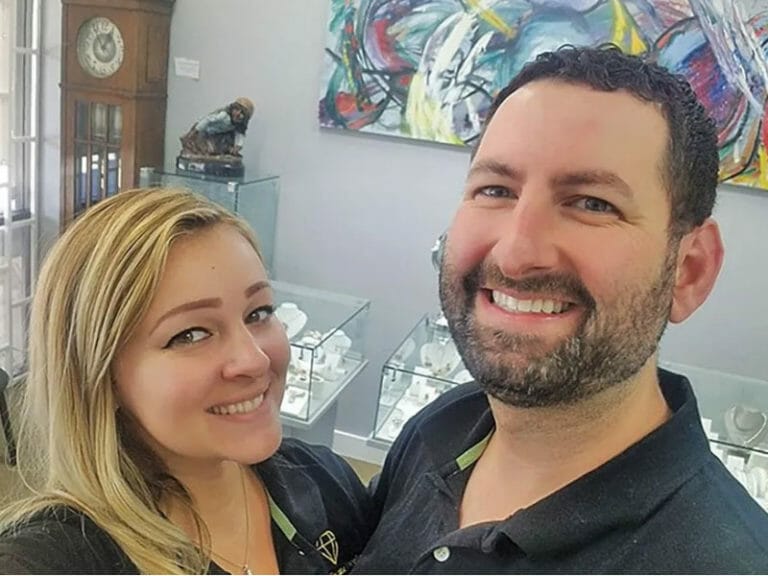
x=19, y=150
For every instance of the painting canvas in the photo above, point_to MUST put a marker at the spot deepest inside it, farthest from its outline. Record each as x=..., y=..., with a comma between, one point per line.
x=429, y=69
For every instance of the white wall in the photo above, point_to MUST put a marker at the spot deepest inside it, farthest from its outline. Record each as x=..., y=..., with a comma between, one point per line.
x=358, y=214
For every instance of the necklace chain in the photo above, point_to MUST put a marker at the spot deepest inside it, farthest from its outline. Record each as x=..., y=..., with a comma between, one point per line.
x=738, y=434
x=245, y=568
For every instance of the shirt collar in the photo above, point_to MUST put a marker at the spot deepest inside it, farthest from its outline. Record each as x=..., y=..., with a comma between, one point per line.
x=621, y=492
x=471, y=421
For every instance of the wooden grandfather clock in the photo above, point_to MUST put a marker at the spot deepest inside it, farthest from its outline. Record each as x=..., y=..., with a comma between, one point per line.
x=114, y=75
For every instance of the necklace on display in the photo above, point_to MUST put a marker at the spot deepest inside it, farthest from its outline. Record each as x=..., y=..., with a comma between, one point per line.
x=244, y=565
x=440, y=358
x=745, y=425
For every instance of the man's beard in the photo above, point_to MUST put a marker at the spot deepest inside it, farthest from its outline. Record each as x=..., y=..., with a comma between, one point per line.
x=610, y=345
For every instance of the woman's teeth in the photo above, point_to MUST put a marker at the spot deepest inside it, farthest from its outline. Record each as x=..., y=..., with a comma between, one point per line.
x=240, y=407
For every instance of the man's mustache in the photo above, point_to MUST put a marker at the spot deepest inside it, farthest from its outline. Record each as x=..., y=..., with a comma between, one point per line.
x=562, y=286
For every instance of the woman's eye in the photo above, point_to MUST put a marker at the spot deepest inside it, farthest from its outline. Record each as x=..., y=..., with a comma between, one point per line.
x=591, y=204
x=187, y=337
x=260, y=314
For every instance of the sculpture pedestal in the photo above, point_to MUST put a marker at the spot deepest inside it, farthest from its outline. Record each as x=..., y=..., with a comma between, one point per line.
x=225, y=167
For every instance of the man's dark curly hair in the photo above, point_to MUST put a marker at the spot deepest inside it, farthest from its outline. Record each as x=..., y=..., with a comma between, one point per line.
x=690, y=169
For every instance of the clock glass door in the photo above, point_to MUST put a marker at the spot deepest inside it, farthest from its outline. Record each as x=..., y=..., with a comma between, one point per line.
x=98, y=135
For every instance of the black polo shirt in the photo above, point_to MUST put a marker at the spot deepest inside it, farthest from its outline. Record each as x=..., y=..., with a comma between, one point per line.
x=666, y=504
x=321, y=519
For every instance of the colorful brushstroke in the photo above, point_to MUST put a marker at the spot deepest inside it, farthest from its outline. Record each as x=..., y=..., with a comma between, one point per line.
x=429, y=69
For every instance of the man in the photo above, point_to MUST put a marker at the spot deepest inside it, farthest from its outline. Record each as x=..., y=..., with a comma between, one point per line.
x=583, y=229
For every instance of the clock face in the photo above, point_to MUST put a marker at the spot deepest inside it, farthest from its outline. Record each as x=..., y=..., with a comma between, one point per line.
x=100, y=47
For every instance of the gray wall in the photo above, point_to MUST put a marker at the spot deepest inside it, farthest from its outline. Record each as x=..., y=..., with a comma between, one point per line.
x=730, y=331
x=358, y=214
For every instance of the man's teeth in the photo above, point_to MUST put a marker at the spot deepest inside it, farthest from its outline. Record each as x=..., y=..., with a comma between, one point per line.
x=240, y=407
x=511, y=304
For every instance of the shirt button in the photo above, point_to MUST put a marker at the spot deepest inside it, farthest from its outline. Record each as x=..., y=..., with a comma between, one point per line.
x=441, y=554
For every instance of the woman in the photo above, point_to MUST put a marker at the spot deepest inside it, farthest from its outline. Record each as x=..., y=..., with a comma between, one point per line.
x=157, y=369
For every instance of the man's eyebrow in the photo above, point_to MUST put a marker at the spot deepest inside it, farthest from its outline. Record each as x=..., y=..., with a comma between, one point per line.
x=603, y=178
x=494, y=167
x=186, y=307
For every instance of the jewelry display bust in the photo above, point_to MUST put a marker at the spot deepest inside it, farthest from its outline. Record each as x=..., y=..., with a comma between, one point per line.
x=440, y=358
x=292, y=318
x=746, y=425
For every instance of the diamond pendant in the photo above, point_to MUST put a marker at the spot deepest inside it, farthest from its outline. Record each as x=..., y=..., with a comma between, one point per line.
x=247, y=570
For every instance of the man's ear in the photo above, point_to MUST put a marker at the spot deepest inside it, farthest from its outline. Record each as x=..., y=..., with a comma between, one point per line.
x=699, y=259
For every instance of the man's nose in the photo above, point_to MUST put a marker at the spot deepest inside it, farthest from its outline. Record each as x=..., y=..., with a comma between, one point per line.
x=528, y=238
x=245, y=356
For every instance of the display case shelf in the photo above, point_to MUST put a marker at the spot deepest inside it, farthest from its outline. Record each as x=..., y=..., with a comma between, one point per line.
x=253, y=197
x=326, y=332
x=425, y=365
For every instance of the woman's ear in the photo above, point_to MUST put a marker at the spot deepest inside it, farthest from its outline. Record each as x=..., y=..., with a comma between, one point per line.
x=699, y=259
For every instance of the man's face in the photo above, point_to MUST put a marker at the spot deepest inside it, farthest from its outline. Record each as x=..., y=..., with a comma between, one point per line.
x=558, y=269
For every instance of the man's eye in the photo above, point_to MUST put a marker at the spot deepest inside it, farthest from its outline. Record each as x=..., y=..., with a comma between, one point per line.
x=591, y=204
x=187, y=337
x=493, y=192
x=260, y=314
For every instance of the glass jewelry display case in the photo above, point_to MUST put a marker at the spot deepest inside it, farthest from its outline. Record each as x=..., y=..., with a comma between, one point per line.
x=326, y=332
x=734, y=414
x=255, y=198
x=425, y=365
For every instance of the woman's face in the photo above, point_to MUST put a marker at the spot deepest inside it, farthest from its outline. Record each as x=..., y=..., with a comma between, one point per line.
x=204, y=373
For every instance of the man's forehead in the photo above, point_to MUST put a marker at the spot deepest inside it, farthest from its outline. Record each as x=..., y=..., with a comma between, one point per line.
x=566, y=128
x=580, y=102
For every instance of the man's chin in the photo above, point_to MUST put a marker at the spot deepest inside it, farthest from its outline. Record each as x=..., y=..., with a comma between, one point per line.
x=517, y=351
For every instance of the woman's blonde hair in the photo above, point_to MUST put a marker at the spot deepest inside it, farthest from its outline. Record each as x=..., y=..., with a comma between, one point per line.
x=94, y=288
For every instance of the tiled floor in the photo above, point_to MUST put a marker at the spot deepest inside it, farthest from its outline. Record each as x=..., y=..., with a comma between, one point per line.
x=365, y=470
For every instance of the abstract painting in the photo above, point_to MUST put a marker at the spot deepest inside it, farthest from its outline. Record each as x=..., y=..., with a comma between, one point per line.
x=429, y=69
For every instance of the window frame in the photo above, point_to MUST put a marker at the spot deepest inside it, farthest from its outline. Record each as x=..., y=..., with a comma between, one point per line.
x=19, y=188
